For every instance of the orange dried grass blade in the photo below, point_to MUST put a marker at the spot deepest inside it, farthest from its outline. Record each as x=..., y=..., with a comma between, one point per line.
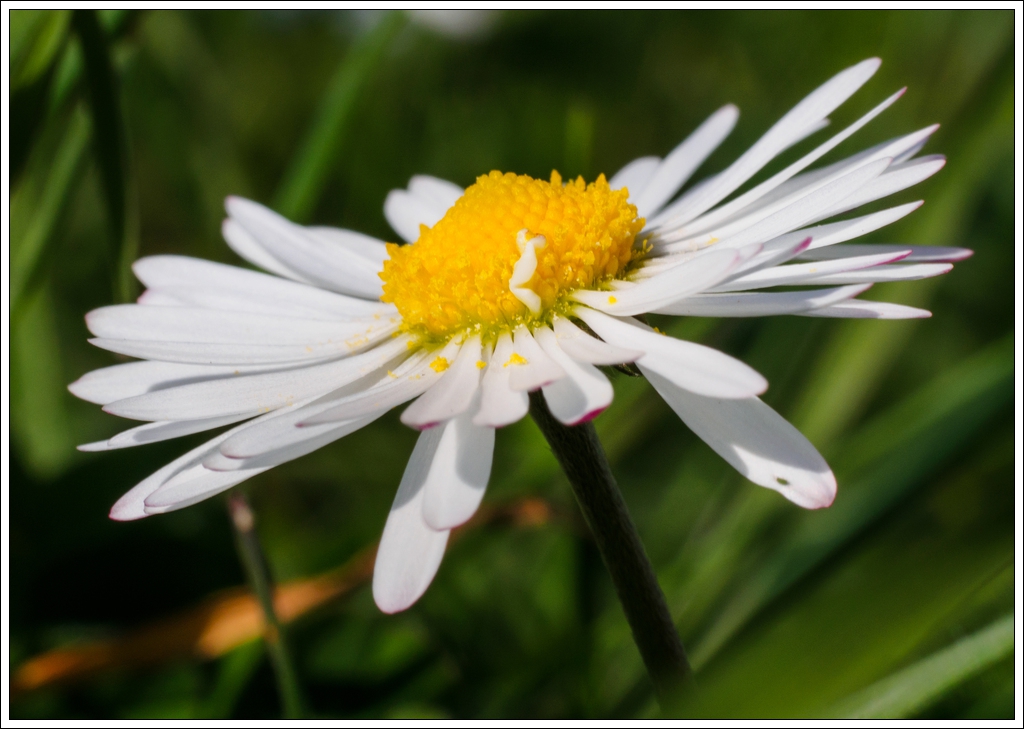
x=230, y=618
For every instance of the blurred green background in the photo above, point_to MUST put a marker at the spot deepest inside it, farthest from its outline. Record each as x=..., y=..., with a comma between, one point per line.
x=128, y=129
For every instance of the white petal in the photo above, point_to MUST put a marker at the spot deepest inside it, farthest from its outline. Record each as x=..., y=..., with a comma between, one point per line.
x=452, y=394
x=660, y=262
x=742, y=204
x=868, y=310
x=756, y=441
x=820, y=238
x=409, y=380
x=328, y=266
x=381, y=397
x=166, y=298
x=132, y=505
x=300, y=442
x=500, y=405
x=537, y=368
x=188, y=324
x=894, y=148
x=207, y=298
x=193, y=485
x=895, y=179
x=410, y=551
x=458, y=473
x=584, y=348
x=635, y=176
x=797, y=212
x=435, y=191
x=810, y=131
x=697, y=368
x=800, y=185
x=161, y=430
x=241, y=242
x=899, y=272
x=761, y=304
x=678, y=282
x=122, y=381
x=407, y=212
x=251, y=356
x=773, y=253
x=808, y=113
x=255, y=393
x=302, y=421
x=684, y=160
x=780, y=249
x=285, y=429
x=172, y=273
x=800, y=273
x=366, y=247
x=826, y=235
x=213, y=354
x=580, y=396
x=901, y=158
x=918, y=254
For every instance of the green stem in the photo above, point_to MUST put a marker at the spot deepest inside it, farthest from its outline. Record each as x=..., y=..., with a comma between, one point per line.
x=582, y=458
x=243, y=520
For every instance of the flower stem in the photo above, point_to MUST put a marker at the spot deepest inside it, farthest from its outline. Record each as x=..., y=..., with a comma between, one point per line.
x=243, y=520
x=582, y=458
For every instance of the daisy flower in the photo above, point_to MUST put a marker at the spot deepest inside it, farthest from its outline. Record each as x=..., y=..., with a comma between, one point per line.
x=510, y=286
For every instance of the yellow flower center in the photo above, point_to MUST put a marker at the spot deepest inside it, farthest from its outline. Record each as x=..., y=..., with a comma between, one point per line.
x=456, y=277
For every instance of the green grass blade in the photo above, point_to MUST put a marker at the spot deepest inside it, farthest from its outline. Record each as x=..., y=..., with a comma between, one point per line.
x=68, y=71
x=891, y=455
x=309, y=170
x=907, y=692
x=234, y=671
x=66, y=76
x=885, y=602
x=39, y=415
x=29, y=253
x=36, y=38
x=111, y=148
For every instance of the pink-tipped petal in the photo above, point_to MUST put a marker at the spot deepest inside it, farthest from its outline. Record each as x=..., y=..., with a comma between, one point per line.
x=458, y=474
x=583, y=393
x=410, y=552
x=756, y=441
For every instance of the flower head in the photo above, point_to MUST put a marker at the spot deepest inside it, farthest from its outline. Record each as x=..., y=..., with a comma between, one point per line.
x=510, y=286
x=508, y=253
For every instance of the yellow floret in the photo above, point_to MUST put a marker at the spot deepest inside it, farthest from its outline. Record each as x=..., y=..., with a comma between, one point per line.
x=440, y=364
x=455, y=278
